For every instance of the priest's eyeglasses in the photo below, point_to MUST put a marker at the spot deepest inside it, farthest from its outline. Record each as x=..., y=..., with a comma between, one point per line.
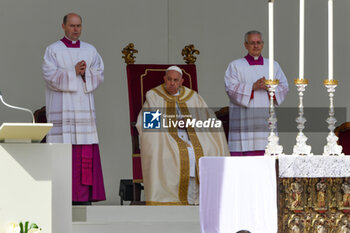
x=255, y=43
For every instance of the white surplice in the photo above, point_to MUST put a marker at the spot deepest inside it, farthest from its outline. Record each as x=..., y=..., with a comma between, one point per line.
x=69, y=100
x=248, y=117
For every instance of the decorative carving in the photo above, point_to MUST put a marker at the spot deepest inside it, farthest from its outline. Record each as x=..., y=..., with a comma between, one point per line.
x=294, y=224
x=128, y=52
x=296, y=189
x=344, y=225
x=321, y=194
x=308, y=222
x=335, y=193
x=188, y=54
x=314, y=205
x=345, y=187
x=319, y=224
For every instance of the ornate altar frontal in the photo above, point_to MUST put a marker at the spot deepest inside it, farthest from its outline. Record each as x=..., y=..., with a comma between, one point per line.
x=319, y=203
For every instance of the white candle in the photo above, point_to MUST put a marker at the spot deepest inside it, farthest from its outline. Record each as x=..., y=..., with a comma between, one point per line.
x=271, y=59
x=301, y=39
x=330, y=39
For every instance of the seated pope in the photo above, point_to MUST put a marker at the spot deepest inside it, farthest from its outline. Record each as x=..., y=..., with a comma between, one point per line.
x=183, y=130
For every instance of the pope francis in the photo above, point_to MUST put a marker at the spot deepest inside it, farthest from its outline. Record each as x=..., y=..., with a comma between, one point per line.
x=170, y=154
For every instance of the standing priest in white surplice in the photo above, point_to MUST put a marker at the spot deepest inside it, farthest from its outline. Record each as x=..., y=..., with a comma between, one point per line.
x=249, y=99
x=72, y=71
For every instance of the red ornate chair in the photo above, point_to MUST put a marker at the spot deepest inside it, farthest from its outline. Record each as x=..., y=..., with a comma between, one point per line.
x=223, y=115
x=40, y=117
x=343, y=134
x=141, y=78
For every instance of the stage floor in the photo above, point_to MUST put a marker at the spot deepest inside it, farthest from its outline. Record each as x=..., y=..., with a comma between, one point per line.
x=135, y=219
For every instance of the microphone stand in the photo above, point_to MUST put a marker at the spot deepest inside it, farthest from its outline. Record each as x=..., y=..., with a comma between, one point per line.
x=18, y=108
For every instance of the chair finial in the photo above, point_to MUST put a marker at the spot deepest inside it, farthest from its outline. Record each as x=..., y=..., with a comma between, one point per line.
x=188, y=54
x=128, y=52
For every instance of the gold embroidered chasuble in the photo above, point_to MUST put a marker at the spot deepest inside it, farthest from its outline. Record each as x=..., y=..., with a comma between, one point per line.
x=164, y=155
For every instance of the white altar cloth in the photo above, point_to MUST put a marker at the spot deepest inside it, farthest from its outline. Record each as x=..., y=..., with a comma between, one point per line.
x=313, y=166
x=238, y=193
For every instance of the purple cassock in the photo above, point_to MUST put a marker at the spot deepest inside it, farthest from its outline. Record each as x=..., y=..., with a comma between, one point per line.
x=87, y=183
x=87, y=174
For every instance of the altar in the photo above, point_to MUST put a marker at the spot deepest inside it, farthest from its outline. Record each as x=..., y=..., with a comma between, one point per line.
x=270, y=194
x=36, y=186
x=314, y=193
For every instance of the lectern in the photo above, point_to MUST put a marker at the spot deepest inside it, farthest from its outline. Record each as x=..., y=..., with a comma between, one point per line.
x=24, y=132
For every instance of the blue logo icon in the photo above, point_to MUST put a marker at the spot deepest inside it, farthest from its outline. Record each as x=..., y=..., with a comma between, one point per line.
x=151, y=120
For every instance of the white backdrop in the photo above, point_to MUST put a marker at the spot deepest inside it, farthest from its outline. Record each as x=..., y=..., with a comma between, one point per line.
x=160, y=29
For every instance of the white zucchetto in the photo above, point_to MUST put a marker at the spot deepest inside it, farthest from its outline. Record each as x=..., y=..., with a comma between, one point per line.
x=176, y=68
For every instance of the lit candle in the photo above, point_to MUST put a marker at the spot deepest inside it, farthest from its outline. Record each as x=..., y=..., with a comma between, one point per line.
x=301, y=39
x=271, y=59
x=330, y=39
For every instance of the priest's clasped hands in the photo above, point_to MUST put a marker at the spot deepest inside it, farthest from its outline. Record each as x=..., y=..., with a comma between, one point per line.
x=80, y=68
x=260, y=84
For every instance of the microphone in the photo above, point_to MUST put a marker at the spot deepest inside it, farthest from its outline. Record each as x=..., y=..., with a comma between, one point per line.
x=19, y=108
